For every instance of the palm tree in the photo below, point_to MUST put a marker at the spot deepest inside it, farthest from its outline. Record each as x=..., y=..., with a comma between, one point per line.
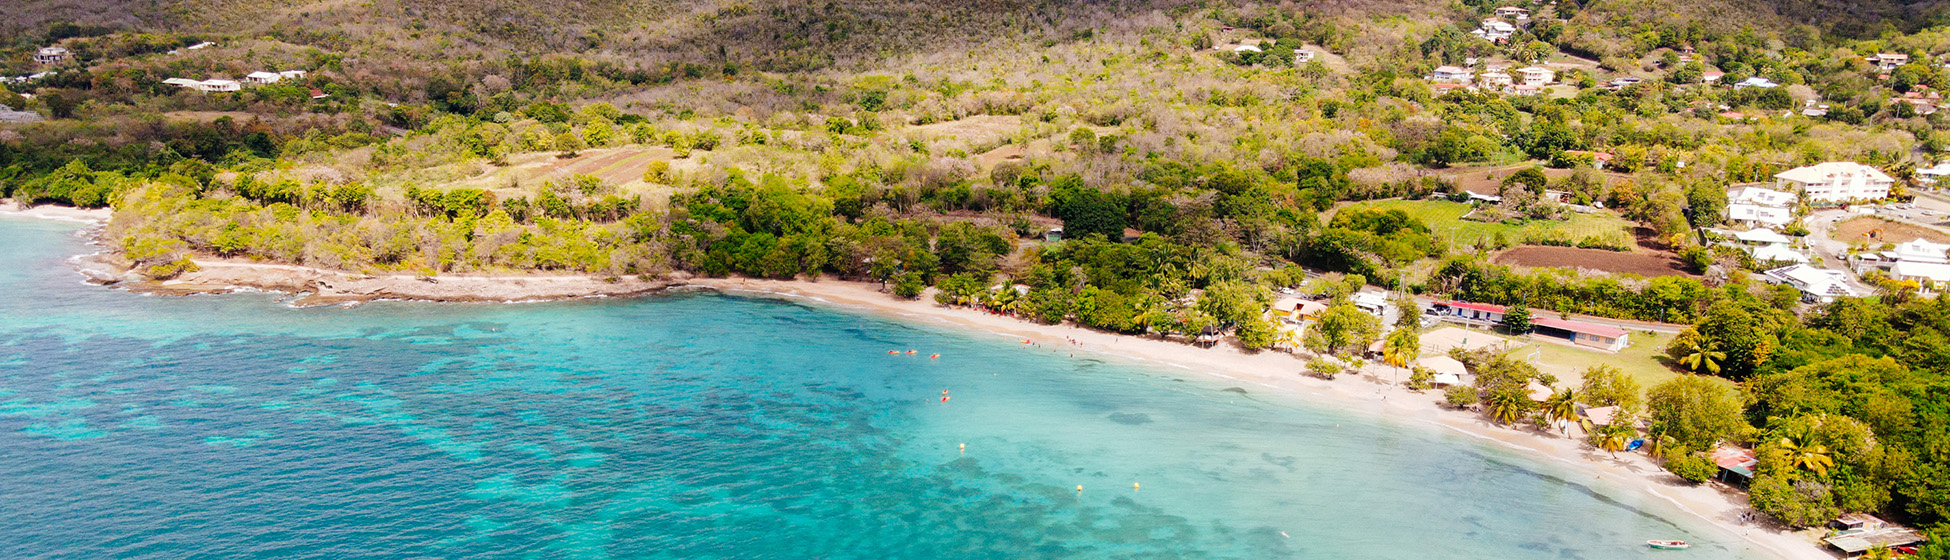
x=1508, y=406
x=1562, y=407
x=1613, y=439
x=1289, y=338
x=1701, y=359
x=1814, y=458
x=1402, y=346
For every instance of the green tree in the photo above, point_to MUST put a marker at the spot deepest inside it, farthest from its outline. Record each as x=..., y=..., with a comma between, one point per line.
x=1401, y=347
x=1517, y=320
x=1696, y=411
x=1562, y=408
x=1605, y=385
x=1341, y=327
x=1613, y=438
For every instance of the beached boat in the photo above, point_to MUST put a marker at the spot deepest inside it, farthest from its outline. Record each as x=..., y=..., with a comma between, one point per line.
x=1669, y=545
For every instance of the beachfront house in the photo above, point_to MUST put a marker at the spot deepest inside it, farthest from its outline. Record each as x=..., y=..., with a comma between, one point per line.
x=1888, y=62
x=1537, y=76
x=1736, y=465
x=1445, y=370
x=1858, y=533
x=51, y=55
x=1450, y=75
x=1835, y=181
x=1297, y=309
x=1817, y=285
x=1593, y=335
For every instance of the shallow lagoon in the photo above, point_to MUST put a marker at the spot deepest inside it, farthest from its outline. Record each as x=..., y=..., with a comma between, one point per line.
x=696, y=426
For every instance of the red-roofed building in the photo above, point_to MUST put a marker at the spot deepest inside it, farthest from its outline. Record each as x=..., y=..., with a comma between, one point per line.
x=1736, y=465
x=1470, y=311
x=1583, y=334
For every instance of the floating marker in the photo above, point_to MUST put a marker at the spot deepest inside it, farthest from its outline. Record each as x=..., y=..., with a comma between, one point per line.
x=964, y=448
x=1134, y=487
x=1079, y=488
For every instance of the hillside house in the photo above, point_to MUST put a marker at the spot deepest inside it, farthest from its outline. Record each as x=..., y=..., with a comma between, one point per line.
x=1303, y=56
x=1931, y=174
x=51, y=55
x=1712, y=77
x=1777, y=253
x=1537, y=76
x=1623, y=82
x=1756, y=82
x=1888, y=62
x=1525, y=90
x=1756, y=215
x=1607, y=338
x=291, y=74
x=1762, y=236
x=1451, y=75
x=1495, y=31
x=1836, y=181
x=261, y=77
x=1242, y=49
x=181, y=82
x=1817, y=285
x=218, y=86
x=1494, y=81
x=1513, y=13
x=1755, y=194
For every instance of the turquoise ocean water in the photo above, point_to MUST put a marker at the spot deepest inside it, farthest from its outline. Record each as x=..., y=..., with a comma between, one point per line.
x=697, y=426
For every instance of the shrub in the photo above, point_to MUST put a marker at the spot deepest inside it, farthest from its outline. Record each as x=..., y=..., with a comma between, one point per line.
x=1460, y=396
x=1692, y=467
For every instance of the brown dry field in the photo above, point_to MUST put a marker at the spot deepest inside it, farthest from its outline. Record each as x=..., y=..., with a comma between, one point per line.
x=1641, y=264
x=1857, y=230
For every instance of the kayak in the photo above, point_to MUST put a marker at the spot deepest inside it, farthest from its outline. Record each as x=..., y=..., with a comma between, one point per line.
x=1669, y=545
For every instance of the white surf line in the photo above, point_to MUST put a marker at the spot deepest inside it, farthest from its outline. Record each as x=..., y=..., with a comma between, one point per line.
x=1711, y=522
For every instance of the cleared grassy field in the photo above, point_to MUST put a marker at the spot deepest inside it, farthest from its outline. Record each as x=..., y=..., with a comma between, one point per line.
x=1641, y=360
x=1445, y=219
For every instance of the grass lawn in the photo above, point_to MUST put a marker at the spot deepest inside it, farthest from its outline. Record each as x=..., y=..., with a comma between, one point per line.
x=1640, y=360
x=1445, y=219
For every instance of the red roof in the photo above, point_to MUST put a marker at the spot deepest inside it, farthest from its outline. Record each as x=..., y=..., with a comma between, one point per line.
x=1475, y=306
x=1735, y=459
x=1577, y=327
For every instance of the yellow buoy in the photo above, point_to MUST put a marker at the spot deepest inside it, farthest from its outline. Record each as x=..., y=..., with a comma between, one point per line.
x=964, y=448
x=1134, y=487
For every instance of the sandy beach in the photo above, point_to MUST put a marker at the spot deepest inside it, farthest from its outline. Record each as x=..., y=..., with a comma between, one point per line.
x=51, y=212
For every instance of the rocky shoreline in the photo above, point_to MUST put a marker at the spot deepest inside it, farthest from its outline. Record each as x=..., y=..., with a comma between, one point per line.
x=316, y=287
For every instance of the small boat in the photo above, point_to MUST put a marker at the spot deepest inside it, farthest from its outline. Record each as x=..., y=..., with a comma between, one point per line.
x=1669, y=545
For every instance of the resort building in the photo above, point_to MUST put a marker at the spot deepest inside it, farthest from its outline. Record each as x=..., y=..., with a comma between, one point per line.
x=1610, y=339
x=1836, y=181
x=1450, y=75
x=51, y=55
x=1888, y=62
x=1817, y=285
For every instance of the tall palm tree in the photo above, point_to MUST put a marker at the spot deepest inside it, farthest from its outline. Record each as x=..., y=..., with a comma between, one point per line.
x=1815, y=458
x=1401, y=347
x=1701, y=358
x=1562, y=407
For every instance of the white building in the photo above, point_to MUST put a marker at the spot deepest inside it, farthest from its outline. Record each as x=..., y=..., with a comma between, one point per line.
x=51, y=55
x=1779, y=253
x=1375, y=303
x=1762, y=236
x=1836, y=181
x=262, y=77
x=1495, y=31
x=1537, y=76
x=1920, y=251
x=182, y=82
x=1756, y=82
x=1760, y=206
x=1493, y=80
x=1888, y=62
x=216, y=86
x=1930, y=276
x=292, y=74
x=1451, y=75
x=1513, y=12
x=1933, y=173
x=1819, y=285
x=1246, y=49
x=1756, y=215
